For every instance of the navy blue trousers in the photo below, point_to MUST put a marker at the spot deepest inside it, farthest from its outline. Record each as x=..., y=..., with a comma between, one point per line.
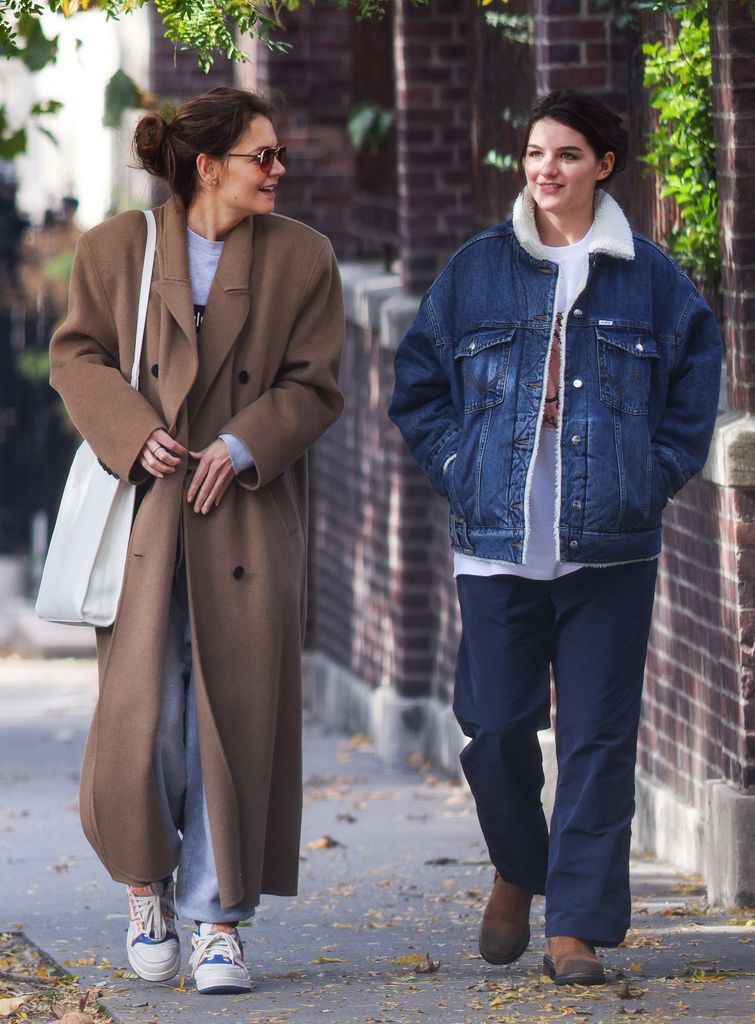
x=591, y=627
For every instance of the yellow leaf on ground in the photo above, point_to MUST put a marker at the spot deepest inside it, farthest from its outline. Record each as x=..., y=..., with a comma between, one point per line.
x=410, y=958
x=328, y=960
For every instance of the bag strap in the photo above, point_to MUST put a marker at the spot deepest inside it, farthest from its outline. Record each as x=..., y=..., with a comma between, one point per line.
x=141, y=317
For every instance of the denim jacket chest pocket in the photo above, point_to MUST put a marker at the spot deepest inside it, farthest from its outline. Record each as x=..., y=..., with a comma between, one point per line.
x=482, y=363
x=626, y=358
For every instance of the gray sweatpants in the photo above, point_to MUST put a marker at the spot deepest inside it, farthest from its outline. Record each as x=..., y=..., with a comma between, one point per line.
x=178, y=770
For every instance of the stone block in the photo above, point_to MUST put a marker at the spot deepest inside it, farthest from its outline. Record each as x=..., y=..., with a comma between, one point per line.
x=729, y=845
x=731, y=460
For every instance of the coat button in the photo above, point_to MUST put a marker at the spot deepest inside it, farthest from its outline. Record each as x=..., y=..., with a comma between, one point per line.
x=577, y=312
x=639, y=347
x=154, y=369
x=573, y=544
x=238, y=572
x=577, y=382
x=576, y=505
x=576, y=440
x=244, y=377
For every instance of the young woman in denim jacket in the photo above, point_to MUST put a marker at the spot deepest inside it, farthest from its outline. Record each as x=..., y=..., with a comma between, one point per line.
x=558, y=386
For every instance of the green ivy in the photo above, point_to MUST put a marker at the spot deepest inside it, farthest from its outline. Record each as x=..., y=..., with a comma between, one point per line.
x=682, y=149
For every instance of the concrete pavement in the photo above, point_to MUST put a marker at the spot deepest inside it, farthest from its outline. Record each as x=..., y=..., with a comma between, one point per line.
x=393, y=879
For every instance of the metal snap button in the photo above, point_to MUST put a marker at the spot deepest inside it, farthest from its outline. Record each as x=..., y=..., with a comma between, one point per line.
x=576, y=505
x=639, y=347
x=577, y=312
x=473, y=346
x=576, y=440
x=573, y=544
x=577, y=382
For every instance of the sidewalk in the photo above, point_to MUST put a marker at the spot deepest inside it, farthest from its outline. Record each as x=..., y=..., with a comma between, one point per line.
x=393, y=868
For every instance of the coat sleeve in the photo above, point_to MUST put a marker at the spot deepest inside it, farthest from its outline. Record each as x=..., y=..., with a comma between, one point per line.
x=422, y=406
x=683, y=436
x=85, y=370
x=280, y=425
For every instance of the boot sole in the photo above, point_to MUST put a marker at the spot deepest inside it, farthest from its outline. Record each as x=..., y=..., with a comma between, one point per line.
x=575, y=977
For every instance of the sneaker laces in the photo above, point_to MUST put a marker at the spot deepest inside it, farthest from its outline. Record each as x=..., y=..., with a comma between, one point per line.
x=152, y=910
x=223, y=944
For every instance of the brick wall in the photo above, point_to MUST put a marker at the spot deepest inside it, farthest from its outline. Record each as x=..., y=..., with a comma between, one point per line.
x=432, y=59
x=577, y=46
x=692, y=722
x=381, y=605
x=733, y=49
x=313, y=82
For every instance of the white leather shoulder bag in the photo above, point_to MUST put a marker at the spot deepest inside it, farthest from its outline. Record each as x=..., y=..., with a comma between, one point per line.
x=83, y=573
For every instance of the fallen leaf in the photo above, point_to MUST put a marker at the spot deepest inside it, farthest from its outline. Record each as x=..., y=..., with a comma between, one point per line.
x=326, y=843
x=77, y=1017
x=625, y=991
x=410, y=958
x=702, y=974
x=10, y=1004
x=427, y=966
x=360, y=740
x=328, y=960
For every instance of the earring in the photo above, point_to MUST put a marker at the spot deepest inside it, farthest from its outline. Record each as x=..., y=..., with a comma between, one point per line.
x=214, y=181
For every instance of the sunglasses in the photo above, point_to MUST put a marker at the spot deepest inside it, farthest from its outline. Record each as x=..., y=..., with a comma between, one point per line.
x=266, y=158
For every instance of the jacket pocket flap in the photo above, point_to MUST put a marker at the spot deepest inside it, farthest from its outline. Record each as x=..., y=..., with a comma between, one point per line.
x=638, y=343
x=477, y=341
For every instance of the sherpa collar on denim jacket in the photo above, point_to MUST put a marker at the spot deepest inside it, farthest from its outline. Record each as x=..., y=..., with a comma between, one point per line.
x=611, y=231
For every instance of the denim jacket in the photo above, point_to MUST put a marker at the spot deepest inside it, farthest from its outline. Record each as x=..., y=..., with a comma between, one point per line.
x=640, y=368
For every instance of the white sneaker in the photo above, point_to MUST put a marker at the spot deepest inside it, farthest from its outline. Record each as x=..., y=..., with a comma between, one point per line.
x=154, y=951
x=217, y=961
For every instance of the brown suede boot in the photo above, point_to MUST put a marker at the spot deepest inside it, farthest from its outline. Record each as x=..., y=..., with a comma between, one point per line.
x=505, y=928
x=572, y=961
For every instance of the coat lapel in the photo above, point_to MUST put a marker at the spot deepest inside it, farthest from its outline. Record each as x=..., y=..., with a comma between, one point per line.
x=227, y=309
x=177, y=354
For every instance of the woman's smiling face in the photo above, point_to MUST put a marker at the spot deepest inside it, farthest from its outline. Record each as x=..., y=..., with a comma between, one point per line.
x=562, y=169
x=242, y=184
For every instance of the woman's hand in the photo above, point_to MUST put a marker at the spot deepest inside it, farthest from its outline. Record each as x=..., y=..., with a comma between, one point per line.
x=211, y=477
x=161, y=453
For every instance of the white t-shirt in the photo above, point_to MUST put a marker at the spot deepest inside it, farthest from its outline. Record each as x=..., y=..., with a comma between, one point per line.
x=540, y=557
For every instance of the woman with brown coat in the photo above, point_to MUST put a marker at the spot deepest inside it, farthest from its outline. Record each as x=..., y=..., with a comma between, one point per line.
x=204, y=654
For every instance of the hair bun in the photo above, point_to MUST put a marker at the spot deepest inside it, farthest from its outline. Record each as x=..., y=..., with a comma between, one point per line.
x=150, y=137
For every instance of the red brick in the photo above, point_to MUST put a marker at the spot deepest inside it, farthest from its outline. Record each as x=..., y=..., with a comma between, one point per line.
x=577, y=77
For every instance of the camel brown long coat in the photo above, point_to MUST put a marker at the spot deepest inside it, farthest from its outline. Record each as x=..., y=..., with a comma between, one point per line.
x=264, y=368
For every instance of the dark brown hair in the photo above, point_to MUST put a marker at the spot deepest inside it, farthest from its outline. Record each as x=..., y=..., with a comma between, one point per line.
x=589, y=116
x=211, y=124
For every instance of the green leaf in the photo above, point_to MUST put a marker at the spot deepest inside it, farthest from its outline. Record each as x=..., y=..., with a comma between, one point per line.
x=13, y=145
x=121, y=94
